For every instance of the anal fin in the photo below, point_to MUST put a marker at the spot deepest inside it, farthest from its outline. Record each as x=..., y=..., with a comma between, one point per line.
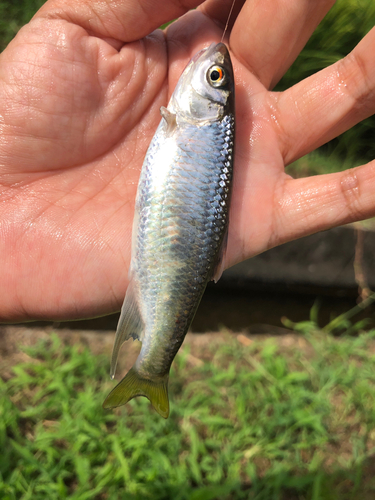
x=220, y=265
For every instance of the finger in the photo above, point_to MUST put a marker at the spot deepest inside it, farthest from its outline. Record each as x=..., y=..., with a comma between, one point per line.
x=317, y=203
x=328, y=103
x=268, y=36
x=126, y=21
x=222, y=11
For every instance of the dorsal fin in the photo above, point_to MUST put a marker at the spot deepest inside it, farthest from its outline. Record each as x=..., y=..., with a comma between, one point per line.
x=130, y=324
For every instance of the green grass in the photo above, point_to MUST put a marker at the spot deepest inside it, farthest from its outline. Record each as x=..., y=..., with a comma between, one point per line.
x=340, y=31
x=290, y=418
x=318, y=162
x=13, y=15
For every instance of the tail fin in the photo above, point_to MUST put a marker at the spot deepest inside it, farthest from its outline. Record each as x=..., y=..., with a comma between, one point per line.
x=133, y=385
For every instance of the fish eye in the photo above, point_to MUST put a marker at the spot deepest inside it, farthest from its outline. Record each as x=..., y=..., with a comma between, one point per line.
x=216, y=76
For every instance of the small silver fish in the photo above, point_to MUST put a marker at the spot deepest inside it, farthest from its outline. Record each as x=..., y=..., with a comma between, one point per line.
x=180, y=224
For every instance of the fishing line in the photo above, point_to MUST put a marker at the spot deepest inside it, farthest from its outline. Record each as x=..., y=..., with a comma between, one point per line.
x=226, y=25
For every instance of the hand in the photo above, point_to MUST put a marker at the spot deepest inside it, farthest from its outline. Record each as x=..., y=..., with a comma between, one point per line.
x=80, y=96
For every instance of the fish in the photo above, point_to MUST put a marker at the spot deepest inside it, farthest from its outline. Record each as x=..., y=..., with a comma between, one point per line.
x=180, y=226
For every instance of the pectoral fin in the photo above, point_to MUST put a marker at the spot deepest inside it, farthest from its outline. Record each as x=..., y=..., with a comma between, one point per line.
x=170, y=118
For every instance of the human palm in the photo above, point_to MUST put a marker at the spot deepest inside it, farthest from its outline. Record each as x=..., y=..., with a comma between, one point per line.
x=79, y=103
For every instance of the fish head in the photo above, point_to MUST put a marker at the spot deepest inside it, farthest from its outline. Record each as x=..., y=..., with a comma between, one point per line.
x=205, y=90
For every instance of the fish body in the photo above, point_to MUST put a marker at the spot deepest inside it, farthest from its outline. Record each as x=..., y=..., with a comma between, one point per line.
x=180, y=224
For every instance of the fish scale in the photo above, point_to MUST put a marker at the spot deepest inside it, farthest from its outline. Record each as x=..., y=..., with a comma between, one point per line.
x=180, y=224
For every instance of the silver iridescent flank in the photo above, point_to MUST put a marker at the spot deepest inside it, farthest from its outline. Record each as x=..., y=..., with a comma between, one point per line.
x=180, y=224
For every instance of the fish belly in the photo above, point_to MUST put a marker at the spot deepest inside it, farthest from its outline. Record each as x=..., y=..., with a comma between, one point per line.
x=182, y=216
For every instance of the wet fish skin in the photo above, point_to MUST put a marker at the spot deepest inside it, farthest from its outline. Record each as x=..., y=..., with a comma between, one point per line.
x=180, y=224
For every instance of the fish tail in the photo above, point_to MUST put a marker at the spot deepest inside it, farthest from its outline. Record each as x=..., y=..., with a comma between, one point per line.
x=133, y=385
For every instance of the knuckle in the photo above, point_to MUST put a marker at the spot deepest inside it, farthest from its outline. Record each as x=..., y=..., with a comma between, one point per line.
x=353, y=77
x=350, y=190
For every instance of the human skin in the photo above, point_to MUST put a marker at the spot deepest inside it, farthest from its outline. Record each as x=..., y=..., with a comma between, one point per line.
x=80, y=91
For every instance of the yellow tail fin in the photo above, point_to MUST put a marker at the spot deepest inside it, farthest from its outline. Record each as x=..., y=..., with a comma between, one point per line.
x=133, y=385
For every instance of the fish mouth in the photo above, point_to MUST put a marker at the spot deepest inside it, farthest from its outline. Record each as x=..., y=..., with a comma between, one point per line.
x=217, y=52
x=219, y=48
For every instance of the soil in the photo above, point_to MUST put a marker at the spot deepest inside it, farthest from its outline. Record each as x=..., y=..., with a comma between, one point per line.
x=13, y=338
